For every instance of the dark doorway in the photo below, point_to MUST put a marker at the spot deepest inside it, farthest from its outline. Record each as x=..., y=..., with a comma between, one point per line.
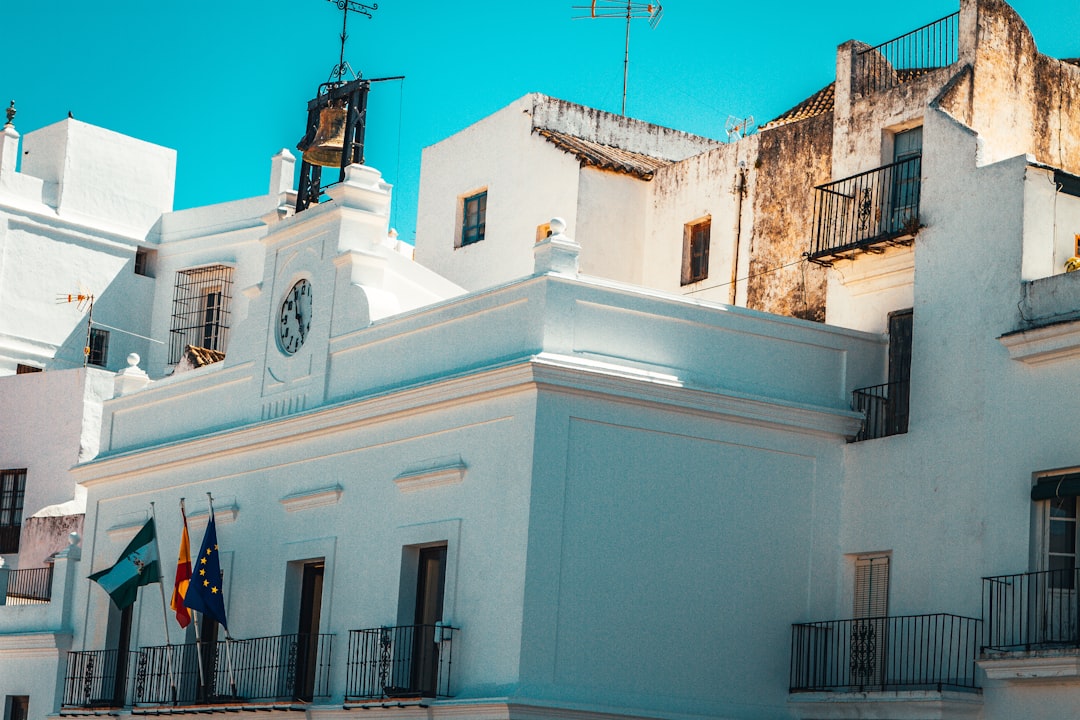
x=900, y=336
x=307, y=633
x=430, y=586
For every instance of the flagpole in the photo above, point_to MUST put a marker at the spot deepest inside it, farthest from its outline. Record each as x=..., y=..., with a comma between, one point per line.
x=194, y=615
x=164, y=612
x=228, y=635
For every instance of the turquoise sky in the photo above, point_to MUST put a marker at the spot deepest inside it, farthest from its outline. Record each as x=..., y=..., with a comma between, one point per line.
x=226, y=83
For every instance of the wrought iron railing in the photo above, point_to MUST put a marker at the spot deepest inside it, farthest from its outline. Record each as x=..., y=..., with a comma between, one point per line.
x=281, y=667
x=278, y=668
x=404, y=661
x=873, y=207
x=31, y=586
x=909, y=56
x=916, y=652
x=1032, y=611
x=885, y=407
x=99, y=679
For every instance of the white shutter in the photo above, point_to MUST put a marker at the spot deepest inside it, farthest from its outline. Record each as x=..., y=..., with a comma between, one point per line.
x=871, y=586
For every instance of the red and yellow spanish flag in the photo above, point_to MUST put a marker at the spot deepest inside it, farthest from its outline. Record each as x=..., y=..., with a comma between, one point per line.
x=183, y=575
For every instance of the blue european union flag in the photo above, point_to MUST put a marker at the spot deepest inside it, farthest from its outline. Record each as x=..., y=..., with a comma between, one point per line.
x=205, y=593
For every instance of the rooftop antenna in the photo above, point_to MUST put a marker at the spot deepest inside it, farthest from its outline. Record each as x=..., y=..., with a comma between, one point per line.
x=628, y=9
x=738, y=128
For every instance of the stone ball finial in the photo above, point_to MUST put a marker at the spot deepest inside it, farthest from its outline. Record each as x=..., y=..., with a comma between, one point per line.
x=73, y=539
x=558, y=225
x=133, y=360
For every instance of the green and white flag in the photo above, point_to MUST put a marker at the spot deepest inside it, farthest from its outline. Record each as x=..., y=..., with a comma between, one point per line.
x=138, y=565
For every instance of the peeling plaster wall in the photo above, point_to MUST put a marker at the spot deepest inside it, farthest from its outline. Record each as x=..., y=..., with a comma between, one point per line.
x=42, y=537
x=1022, y=101
x=791, y=161
x=698, y=187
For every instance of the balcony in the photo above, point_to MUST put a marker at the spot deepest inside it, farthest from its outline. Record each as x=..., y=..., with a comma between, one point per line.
x=916, y=652
x=908, y=57
x=233, y=673
x=1032, y=612
x=885, y=407
x=410, y=661
x=864, y=212
x=32, y=586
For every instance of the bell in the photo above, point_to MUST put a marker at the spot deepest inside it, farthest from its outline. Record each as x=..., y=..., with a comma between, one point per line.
x=329, y=140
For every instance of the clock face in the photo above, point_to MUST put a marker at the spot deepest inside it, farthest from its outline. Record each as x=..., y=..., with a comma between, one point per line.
x=295, y=317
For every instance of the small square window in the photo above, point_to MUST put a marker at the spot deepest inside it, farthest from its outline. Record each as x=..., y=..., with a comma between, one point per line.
x=18, y=707
x=97, y=352
x=695, y=264
x=144, y=262
x=473, y=218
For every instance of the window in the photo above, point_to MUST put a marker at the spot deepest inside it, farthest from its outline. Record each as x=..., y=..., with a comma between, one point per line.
x=906, y=179
x=21, y=369
x=97, y=352
x=18, y=707
x=201, y=302
x=695, y=264
x=12, y=486
x=144, y=262
x=1052, y=589
x=473, y=218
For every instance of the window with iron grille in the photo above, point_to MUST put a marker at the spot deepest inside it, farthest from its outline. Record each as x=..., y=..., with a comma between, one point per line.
x=97, y=352
x=695, y=264
x=473, y=218
x=12, y=486
x=201, y=306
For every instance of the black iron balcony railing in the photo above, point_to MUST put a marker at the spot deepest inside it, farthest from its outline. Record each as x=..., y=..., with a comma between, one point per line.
x=404, y=661
x=1032, y=611
x=32, y=586
x=917, y=652
x=868, y=209
x=909, y=56
x=885, y=407
x=99, y=679
x=279, y=668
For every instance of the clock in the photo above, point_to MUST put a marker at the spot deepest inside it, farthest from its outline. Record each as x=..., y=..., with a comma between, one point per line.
x=295, y=318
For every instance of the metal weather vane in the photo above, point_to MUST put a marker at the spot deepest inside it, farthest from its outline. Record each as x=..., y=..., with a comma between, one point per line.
x=624, y=9
x=347, y=6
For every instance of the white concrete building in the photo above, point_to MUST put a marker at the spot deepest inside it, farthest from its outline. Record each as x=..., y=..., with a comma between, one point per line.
x=600, y=479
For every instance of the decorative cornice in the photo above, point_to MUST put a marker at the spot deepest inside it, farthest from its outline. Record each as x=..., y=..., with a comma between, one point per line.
x=223, y=515
x=1020, y=667
x=307, y=499
x=891, y=705
x=526, y=374
x=1044, y=344
x=432, y=473
x=34, y=644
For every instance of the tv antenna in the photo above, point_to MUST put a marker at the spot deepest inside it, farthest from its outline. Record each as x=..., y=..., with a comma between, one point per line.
x=738, y=128
x=347, y=6
x=628, y=9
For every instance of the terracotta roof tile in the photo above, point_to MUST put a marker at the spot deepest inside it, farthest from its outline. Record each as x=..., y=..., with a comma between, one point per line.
x=824, y=100
x=200, y=356
x=605, y=157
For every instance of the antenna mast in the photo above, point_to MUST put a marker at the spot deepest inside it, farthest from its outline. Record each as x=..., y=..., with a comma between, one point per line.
x=628, y=9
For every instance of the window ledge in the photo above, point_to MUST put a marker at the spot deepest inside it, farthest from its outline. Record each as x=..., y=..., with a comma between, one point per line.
x=1039, y=665
x=1044, y=344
